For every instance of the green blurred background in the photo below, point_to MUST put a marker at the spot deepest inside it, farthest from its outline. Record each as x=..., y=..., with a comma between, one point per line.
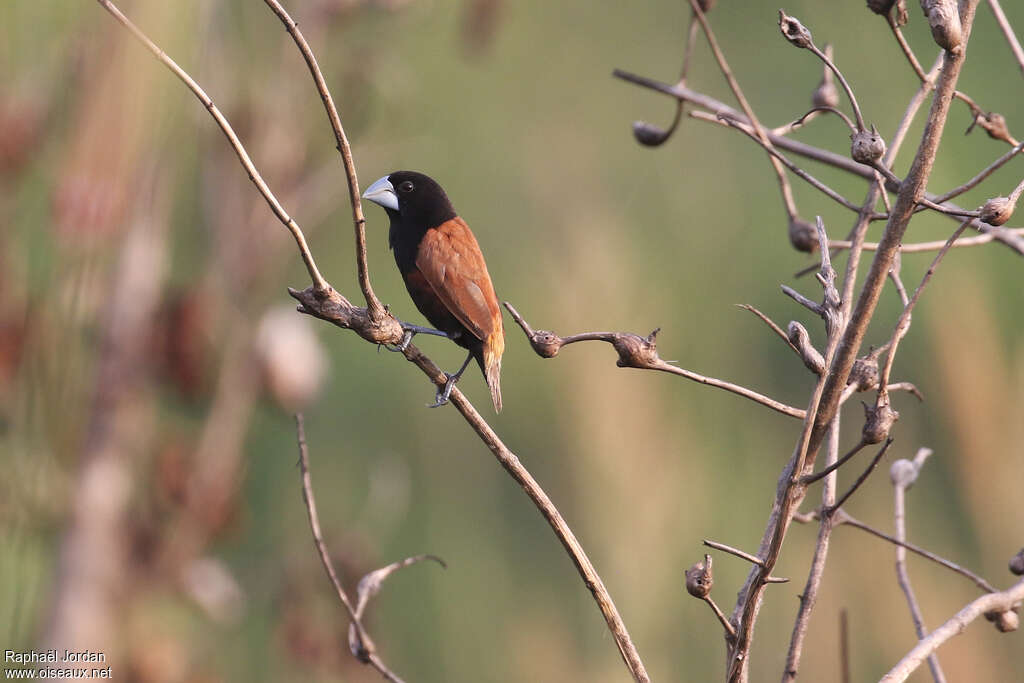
x=140, y=273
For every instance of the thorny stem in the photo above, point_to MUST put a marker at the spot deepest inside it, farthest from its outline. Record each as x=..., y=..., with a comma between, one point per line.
x=319, y=283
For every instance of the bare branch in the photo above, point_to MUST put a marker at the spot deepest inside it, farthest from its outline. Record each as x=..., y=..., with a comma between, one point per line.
x=360, y=643
x=373, y=304
x=1011, y=37
x=640, y=353
x=862, y=478
x=770, y=323
x=954, y=626
x=917, y=247
x=300, y=240
x=753, y=559
x=842, y=517
x=780, y=173
x=903, y=324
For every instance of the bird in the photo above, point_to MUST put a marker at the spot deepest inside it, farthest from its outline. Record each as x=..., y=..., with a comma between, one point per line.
x=444, y=272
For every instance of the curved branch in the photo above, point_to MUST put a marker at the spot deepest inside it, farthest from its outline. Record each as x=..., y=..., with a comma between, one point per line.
x=336, y=310
x=954, y=626
x=373, y=304
x=319, y=282
x=640, y=353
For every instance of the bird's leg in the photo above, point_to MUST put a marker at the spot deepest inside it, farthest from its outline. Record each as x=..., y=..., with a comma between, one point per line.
x=445, y=393
x=410, y=332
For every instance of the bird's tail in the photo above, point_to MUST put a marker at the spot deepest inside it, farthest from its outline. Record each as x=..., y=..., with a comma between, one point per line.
x=491, y=365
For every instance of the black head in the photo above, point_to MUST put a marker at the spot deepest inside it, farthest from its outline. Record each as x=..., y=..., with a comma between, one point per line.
x=412, y=198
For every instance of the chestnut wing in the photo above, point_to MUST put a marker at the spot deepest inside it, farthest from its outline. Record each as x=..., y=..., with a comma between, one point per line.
x=450, y=260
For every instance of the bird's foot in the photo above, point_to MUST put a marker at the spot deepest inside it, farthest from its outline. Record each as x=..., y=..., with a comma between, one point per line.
x=404, y=344
x=444, y=393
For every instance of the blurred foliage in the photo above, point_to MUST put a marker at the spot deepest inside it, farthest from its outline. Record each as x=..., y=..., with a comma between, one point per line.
x=511, y=106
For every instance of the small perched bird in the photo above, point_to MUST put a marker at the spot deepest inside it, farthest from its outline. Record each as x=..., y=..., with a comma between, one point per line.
x=444, y=271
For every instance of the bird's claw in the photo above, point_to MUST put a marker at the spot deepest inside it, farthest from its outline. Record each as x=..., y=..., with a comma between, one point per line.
x=444, y=393
x=403, y=345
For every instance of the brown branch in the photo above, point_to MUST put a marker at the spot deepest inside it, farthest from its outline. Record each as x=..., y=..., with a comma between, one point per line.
x=771, y=323
x=300, y=240
x=903, y=324
x=640, y=353
x=780, y=173
x=911, y=190
x=323, y=302
x=376, y=310
x=1011, y=37
x=993, y=602
x=982, y=175
x=809, y=595
x=917, y=247
x=365, y=650
x=843, y=518
x=903, y=474
x=862, y=478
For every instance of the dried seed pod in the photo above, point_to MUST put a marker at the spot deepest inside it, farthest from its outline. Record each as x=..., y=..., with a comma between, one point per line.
x=1005, y=621
x=546, y=344
x=1017, y=563
x=944, y=18
x=649, y=135
x=878, y=420
x=826, y=94
x=811, y=357
x=997, y=210
x=864, y=374
x=794, y=31
x=699, y=579
x=636, y=351
x=903, y=473
x=867, y=146
x=994, y=124
x=802, y=235
x=880, y=6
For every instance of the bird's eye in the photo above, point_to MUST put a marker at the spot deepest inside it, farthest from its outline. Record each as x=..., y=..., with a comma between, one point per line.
x=406, y=186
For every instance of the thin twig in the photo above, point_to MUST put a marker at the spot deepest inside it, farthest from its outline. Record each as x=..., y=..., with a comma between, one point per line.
x=842, y=517
x=729, y=629
x=912, y=188
x=1011, y=37
x=917, y=247
x=753, y=559
x=862, y=478
x=955, y=625
x=373, y=304
x=903, y=324
x=832, y=467
x=982, y=175
x=780, y=173
x=366, y=651
x=300, y=240
x=640, y=353
x=844, y=647
x=809, y=596
x=814, y=182
x=901, y=482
